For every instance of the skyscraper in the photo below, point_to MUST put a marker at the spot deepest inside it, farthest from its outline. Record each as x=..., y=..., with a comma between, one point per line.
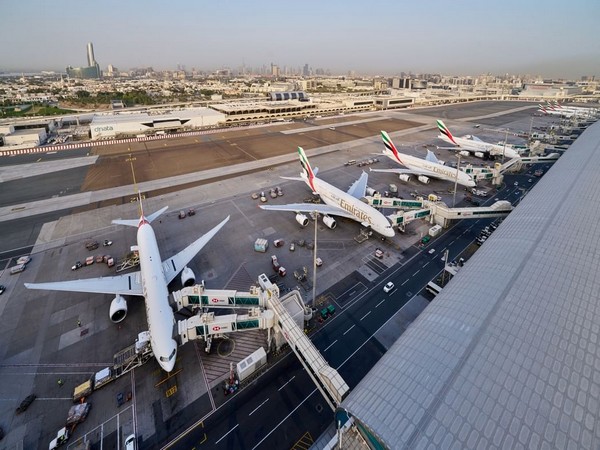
x=90, y=54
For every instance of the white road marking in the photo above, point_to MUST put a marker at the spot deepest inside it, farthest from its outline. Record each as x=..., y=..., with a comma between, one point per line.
x=348, y=330
x=416, y=272
x=380, y=303
x=405, y=281
x=256, y=409
x=288, y=381
x=365, y=315
x=330, y=345
x=227, y=433
x=426, y=264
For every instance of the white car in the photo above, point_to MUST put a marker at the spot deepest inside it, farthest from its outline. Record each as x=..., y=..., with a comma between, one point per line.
x=431, y=251
x=388, y=287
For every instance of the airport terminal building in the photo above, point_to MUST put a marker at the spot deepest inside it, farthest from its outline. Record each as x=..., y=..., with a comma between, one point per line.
x=127, y=125
x=508, y=354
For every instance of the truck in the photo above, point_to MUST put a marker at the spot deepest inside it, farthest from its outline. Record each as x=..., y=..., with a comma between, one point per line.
x=435, y=230
x=393, y=188
x=102, y=377
x=251, y=364
x=77, y=414
x=89, y=261
x=24, y=260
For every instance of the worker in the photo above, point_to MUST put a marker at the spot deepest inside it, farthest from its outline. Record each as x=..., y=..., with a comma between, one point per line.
x=78, y=322
x=60, y=382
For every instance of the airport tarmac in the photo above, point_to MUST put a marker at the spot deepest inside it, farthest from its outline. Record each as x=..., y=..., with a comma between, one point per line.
x=41, y=342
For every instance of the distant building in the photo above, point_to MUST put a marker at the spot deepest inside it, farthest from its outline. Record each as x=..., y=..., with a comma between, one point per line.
x=90, y=72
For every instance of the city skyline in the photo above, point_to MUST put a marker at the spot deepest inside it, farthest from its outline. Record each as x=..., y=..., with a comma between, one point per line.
x=384, y=39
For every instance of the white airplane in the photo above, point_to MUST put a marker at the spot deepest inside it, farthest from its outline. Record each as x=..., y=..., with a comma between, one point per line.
x=149, y=282
x=474, y=145
x=567, y=111
x=337, y=202
x=423, y=168
x=551, y=111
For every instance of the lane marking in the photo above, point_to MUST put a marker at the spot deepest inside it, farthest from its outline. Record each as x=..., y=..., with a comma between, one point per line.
x=380, y=303
x=225, y=435
x=330, y=345
x=348, y=330
x=288, y=382
x=416, y=272
x=365, y=315
x=256, y=409
x=426, y=264
x=405, y=281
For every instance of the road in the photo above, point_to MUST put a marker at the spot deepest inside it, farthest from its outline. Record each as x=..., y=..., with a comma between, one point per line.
x=283, y=406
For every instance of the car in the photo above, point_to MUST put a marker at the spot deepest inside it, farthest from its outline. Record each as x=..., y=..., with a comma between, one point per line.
x=77, y=265
x=130, y=442
x=191, y=212
x=388, y=287
x=332, y=128
x=278, y=242
x=292, y=247
x=2, y=289
x=378, y=253
x=182, y=214
x=431, y=251
x=255, y=196
x=319, y=262
x=107, y=243
x=516, y=183
x=530, y=181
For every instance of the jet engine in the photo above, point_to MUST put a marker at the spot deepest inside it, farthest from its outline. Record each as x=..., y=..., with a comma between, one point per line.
x=464, y=153
x=329, y=222
x=118, y=309
x=188, y=278
x=404, y=177
x=302, y=219
x=479, y=154
x=423, y=179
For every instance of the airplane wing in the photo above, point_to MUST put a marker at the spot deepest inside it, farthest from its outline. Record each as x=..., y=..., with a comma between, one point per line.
x=310, y=207
x=129, y=284
x=175, y=264
x=359, y=187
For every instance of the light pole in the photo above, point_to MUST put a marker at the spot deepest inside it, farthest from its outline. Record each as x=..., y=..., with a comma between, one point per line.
x=456, y=180
x=504, y=148
x=315, y=262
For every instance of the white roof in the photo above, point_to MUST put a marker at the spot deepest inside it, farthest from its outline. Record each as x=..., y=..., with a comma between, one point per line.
x=508, y=355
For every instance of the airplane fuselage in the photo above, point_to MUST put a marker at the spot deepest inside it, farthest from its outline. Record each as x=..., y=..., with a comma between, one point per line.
x=437, y=170
x=362, y=212
x=156, y=295
x=480, y=146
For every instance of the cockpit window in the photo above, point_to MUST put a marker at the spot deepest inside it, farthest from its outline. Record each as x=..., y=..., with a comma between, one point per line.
x=165, y=359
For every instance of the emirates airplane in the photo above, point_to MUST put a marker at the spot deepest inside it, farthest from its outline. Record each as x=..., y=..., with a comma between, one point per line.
x=149, y=282
x=474, y=145
x=422, y=168
x=337, y=202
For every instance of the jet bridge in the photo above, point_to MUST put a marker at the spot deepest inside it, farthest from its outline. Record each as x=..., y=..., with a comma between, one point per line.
x=207, y=326
x=198, y=297
x=327, y=379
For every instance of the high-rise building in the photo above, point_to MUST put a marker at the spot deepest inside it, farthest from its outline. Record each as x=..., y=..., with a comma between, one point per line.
x=90, y=54
x=93, y=69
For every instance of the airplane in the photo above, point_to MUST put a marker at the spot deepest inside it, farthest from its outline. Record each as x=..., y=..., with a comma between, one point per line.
x=337, y=202
x=474, y=145
x=423, y=168
x=551, y=111
x=567, y=111
x=149, y=282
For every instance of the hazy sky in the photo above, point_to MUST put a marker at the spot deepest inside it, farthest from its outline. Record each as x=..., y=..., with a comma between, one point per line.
x=551, y=38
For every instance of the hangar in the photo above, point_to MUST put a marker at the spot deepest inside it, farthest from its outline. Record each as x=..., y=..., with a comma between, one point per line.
x=124, y=124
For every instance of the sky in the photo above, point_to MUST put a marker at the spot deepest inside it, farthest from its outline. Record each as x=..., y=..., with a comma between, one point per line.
x=554, y=39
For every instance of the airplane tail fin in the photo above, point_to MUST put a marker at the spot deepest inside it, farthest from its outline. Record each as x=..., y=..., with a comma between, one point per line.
x=136, y=222
x=445, y=131
x=308, y=172
x=389, y=145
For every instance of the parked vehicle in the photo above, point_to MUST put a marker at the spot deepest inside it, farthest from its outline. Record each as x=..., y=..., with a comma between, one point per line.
x=107, y=243
x=24, y=260
x=378, y=253
x=191, y=212
x=182, y=214
x=16, y=269
x=27, y=401
x=77, y=265
x=92, y=245
x=2, y=289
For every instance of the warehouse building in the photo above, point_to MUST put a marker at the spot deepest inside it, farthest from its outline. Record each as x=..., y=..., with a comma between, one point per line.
x=123, y=125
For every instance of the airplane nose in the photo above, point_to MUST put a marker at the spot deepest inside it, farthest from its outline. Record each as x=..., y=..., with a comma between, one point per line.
x=168, y=366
